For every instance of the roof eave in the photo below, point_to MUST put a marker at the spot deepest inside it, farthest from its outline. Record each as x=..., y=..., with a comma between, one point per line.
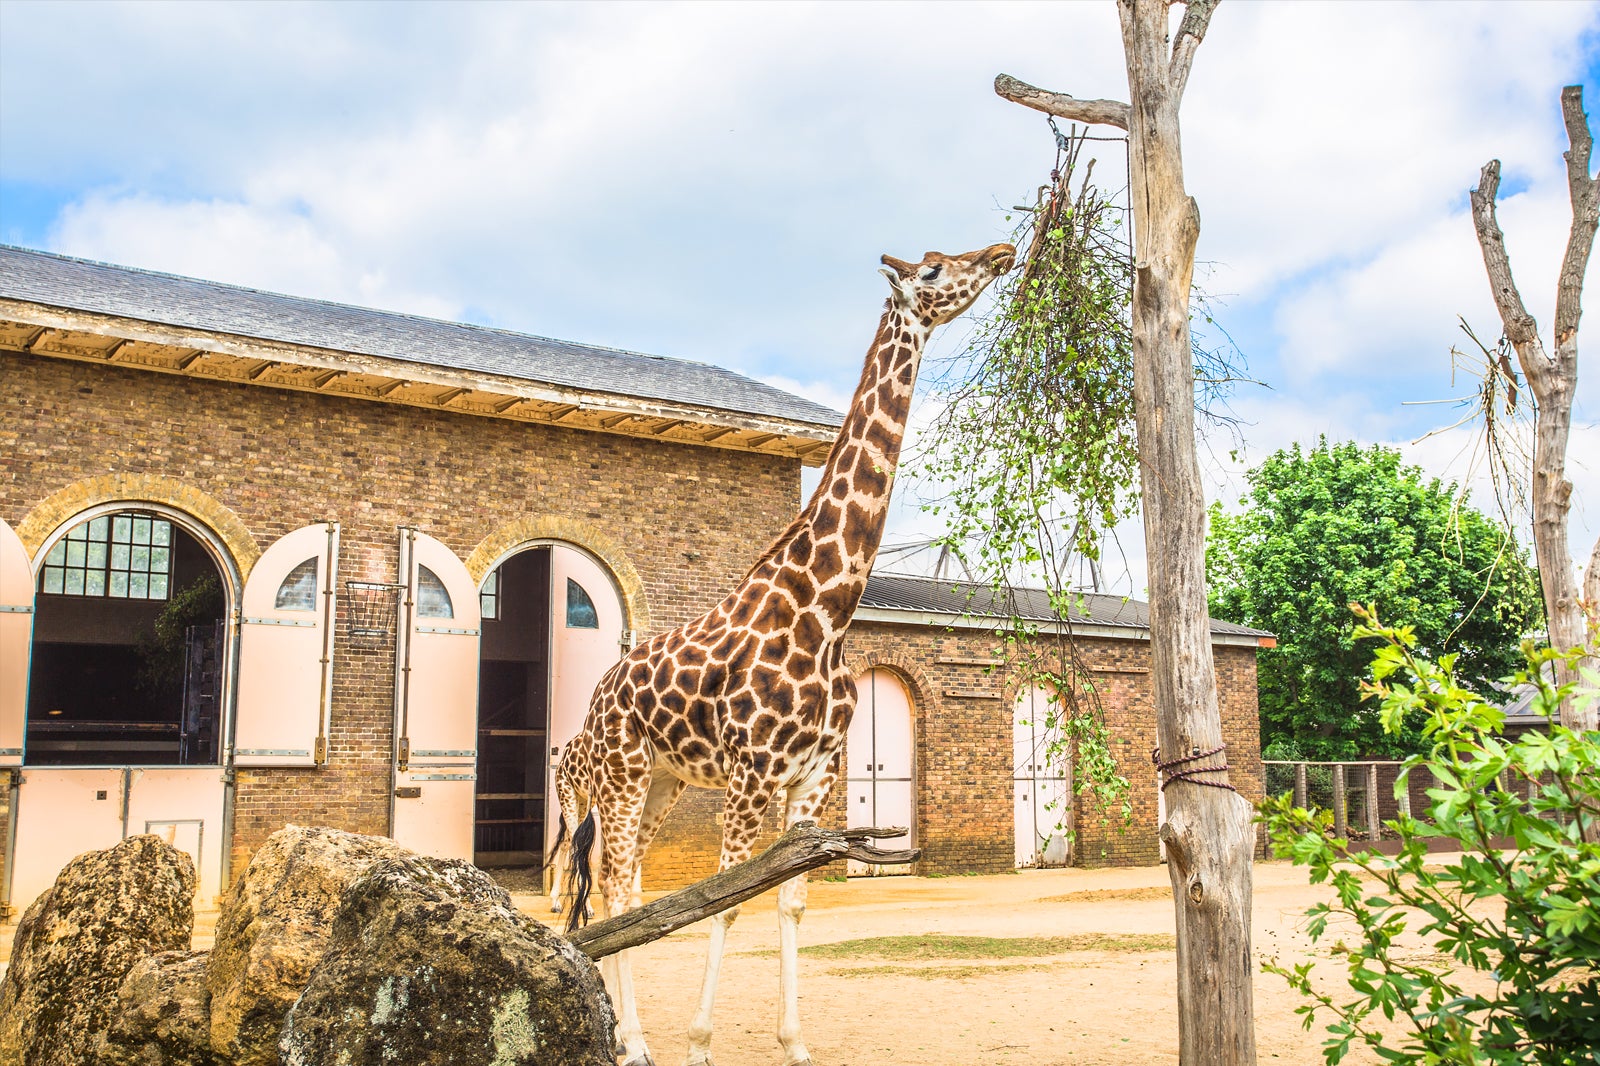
x=64, y=333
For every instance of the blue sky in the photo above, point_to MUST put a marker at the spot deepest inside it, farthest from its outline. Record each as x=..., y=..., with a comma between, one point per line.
x=716, y=182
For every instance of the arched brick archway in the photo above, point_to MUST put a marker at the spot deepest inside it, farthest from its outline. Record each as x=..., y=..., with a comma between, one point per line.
x=63, y=506
x=590, y=538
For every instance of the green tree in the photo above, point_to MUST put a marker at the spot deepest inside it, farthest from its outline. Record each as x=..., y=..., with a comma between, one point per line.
x=1339, y=524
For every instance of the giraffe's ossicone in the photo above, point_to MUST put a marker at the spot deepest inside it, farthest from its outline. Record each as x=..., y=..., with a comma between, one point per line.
x=753, y=696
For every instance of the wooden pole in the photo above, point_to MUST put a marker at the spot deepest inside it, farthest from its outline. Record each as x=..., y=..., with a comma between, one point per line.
x=1208, y=835
x=1341, y=812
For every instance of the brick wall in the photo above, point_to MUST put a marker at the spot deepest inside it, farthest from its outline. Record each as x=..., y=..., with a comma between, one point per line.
x=280, y=460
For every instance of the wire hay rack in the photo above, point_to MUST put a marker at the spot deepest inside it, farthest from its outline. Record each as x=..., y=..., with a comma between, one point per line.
x=370, y=611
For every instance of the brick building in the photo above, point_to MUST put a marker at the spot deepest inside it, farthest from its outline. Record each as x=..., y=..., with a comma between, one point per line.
x=266, y=559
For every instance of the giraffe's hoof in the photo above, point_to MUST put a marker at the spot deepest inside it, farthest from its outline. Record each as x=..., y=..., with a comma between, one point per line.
x=555, y=907
x=642, y=1059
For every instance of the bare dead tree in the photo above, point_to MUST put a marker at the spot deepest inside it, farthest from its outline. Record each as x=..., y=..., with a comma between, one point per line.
x=1208, y=832
x=1552, y=378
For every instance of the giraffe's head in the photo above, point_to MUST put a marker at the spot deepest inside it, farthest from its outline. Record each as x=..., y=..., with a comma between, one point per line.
x=942, y=286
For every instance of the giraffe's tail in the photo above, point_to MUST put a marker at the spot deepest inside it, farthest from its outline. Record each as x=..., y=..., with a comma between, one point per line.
x=579, y=876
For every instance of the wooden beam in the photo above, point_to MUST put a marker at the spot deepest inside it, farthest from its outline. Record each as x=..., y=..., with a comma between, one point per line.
x=266, y=365
x=189, y=360
x=717, y=434
x=111, y=352
x=803, y=847
x=449, y=394
x=671, y=423
x=384, y=390
x=760, y=439
x=614, y=421
x=561, y=412
x=505, y=405
x=322, y=379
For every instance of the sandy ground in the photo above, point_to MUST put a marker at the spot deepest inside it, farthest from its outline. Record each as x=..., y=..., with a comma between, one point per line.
x=1081, y=1007
x=1109, y=1004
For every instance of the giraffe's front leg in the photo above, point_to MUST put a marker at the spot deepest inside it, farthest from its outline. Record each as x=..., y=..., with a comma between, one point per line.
x=804, y=800
x=747, y=800
x=619, y=831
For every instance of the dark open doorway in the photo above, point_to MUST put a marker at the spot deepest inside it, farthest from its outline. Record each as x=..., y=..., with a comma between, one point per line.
x=513, y=712
x=126, y=666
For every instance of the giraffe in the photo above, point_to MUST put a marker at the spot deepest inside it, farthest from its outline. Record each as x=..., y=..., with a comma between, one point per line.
x=754, y=696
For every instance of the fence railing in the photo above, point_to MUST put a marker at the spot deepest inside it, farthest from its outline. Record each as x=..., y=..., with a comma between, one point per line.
x=1361, y=795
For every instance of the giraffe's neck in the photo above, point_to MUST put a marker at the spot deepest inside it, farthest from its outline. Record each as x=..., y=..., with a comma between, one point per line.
x=851, y=502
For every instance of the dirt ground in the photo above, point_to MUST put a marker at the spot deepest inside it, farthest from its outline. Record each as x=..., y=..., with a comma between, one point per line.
x=1102, y=992
x=1077, y=968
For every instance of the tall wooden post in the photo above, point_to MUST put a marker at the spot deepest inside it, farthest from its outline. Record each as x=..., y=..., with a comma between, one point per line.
x=1341, y=803
x=1208, y=835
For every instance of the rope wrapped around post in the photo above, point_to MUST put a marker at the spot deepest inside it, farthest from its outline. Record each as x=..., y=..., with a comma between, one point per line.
x=1190, y=775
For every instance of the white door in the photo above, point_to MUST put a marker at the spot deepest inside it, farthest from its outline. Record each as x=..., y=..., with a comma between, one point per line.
x=588, y=635
x=286, y=651
x=1041, y=786
x=16, y=639
x=878, y=763
x=436, y=700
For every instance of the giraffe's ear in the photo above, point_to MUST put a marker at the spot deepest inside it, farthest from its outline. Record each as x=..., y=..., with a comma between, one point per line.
x=901, y=298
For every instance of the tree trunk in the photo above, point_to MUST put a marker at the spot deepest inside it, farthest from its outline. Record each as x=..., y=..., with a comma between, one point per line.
x=1553, y=380
x=1208, y=833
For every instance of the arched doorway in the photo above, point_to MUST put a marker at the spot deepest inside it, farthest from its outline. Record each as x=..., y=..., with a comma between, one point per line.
x=553, y=624
x=878, y=763
x=129, y=663
x=129, y=644
x=1042, y=786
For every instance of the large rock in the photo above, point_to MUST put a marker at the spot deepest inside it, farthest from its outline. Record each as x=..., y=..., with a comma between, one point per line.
x=161, y=1016
x=430, y=965
x=106, y=911
x=272, y=929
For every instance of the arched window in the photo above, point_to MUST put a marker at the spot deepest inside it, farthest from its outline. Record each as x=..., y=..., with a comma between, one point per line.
x=299, y=590
x=580, y=608
x=489, y=595
x=433, y=600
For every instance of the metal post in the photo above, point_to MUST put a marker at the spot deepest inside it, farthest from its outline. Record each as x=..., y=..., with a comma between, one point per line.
x=1374, y=826
x=1300, y=788
x=1341, y=815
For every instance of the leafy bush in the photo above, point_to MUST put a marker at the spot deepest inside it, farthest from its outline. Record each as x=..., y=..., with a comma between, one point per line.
x=1520, y=906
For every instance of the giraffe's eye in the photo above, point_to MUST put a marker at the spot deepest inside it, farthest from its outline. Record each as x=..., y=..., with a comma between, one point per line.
x=930, y=273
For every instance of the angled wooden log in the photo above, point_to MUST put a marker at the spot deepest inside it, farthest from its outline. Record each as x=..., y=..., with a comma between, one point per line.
x=805, y=846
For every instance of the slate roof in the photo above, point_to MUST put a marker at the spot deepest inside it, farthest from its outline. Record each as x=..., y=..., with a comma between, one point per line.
x=168, y=299
x=893, y=592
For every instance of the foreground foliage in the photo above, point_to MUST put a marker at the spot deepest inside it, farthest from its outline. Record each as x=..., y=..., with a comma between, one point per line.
x=1520, y=907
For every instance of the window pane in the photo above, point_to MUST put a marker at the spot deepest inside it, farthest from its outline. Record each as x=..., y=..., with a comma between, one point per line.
x=580, y=608
x=98, y=528
x=58, y=554
x=119, y=584
x=119, y=557
x=141, y=531
x=158, y=560
x=78, y=533
x=121, y=528
x=138, y=586
x=74, y=583
x=488, y=599
x=97, y=555
x=161, y=532
x=75, y=552
x=432, y=599
x=52, y=579
x=95, y=583
x=299, y=590
x=140, y=561
x=158, y=586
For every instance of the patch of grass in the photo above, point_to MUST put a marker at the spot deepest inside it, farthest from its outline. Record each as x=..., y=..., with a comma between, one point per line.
x=934, y=973
x=941, y=946
x=1107, y=895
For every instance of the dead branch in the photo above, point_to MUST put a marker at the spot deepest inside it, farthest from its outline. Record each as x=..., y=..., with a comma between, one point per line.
x=803, y=847
x=1101, y=112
